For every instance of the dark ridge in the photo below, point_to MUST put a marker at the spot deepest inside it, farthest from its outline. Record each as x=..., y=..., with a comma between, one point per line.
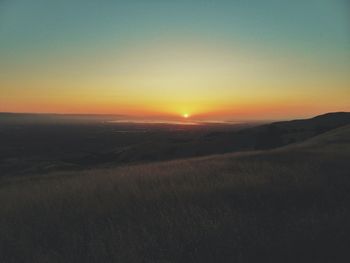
x=27, y=149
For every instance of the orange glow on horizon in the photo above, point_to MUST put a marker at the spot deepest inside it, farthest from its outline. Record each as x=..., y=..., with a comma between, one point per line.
x=238, y=111
x=178, y=81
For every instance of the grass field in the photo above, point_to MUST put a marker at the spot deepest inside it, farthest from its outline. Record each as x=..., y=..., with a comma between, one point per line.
x=286, y=205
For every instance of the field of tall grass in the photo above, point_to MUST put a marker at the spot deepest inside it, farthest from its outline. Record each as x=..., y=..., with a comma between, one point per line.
x=286, y=205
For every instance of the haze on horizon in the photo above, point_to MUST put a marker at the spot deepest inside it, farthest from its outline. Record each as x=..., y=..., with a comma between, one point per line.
x=204, y=59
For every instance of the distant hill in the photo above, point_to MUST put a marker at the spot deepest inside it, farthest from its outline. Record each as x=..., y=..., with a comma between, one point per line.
x=263, y=137
x=282, y=133
x=45, y=146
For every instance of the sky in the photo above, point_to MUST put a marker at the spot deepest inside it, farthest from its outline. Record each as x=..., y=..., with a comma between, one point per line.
x=222, y=59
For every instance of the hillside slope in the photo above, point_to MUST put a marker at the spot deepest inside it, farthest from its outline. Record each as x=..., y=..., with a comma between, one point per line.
x=263, y=137
x=68, y=143
x=285, y=205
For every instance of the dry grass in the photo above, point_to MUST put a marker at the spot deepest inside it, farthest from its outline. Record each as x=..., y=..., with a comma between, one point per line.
x=288, y=205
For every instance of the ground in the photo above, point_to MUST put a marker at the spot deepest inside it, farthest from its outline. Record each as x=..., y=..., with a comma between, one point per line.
x=285, y=205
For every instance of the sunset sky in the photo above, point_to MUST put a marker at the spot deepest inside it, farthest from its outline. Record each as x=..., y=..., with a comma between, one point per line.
x=208, y=59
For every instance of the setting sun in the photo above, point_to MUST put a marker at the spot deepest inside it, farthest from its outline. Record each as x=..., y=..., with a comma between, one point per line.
x=174, y=131
x=154, y=66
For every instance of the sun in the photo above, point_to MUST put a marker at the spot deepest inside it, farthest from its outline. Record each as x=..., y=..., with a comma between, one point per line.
x=186, y=115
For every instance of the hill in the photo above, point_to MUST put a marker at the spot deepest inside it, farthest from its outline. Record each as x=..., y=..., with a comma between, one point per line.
x=42, y=143
x=262, y=137
x=285, y=205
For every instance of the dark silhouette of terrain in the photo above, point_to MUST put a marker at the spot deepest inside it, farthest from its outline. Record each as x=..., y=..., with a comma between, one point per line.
x=289, y=204
x=263, y=137
x=275, y=134
x=50, y=144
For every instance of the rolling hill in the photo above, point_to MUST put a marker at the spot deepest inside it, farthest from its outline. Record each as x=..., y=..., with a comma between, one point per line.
x=262, y=137
x=290, y=204
x=57, y=143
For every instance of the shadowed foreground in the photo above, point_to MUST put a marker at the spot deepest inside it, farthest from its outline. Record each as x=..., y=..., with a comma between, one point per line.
x=286, y=205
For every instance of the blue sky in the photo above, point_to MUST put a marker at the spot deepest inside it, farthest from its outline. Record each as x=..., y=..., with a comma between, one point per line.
x=306, y=44
x=28, y=25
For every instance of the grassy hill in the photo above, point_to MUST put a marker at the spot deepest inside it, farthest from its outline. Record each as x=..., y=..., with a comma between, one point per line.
x=285, y=205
